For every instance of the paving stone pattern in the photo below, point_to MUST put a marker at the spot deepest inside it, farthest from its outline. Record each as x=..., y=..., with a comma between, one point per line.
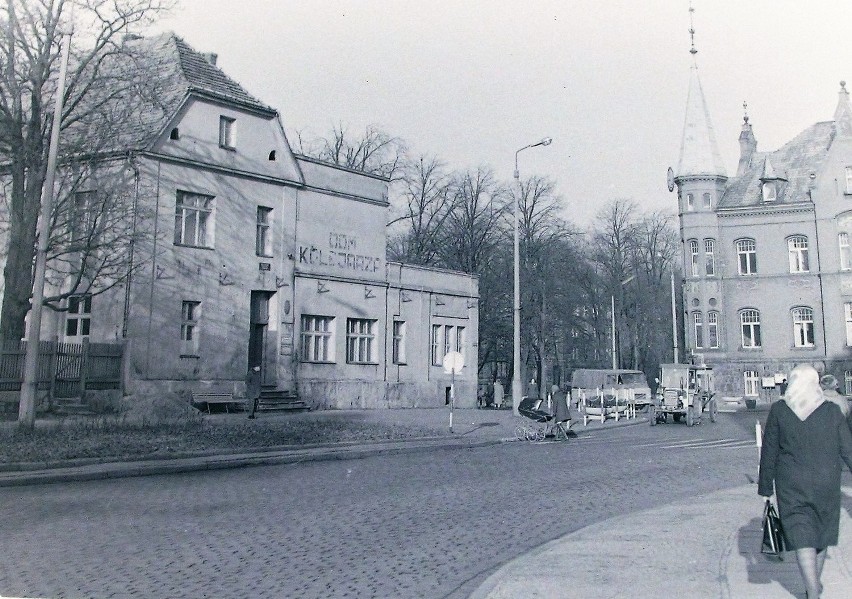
x=430, y=524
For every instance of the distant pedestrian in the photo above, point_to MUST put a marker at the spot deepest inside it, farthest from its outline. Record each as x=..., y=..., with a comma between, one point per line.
x=782, y=387
x=561, y=410
x=829, y=384
x=532, y=389
x=805, y=443
x=498, y=394
x=253, y=389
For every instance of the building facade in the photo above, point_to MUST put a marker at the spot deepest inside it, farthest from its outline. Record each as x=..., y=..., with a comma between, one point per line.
x=254, y=255
x=766, y=255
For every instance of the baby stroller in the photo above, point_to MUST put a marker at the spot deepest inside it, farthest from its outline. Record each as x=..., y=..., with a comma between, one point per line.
x=531, y=408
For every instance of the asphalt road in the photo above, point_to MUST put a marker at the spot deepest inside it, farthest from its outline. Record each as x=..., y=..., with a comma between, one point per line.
x=396, y=526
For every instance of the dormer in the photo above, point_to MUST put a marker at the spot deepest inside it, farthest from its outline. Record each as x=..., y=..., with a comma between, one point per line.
x=770, y=182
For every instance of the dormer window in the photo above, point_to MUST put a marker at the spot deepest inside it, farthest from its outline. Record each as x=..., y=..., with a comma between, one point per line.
x=769, y=182
x=272, y=156
x=227, y=132
x=175, y=134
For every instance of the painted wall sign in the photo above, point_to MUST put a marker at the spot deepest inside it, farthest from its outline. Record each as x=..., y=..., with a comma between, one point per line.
x=341, y=253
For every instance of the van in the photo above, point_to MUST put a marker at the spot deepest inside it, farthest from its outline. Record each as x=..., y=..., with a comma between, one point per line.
x=590, y=380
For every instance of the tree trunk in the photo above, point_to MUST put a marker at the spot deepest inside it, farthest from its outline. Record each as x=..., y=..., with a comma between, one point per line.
x=18, y=272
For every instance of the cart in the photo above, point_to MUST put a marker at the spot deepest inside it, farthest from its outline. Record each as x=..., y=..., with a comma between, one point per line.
x=685, y=391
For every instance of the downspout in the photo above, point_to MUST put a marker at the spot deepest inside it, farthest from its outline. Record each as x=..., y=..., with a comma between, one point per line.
x=819, y=279
x=153, y=276
x=131, y=159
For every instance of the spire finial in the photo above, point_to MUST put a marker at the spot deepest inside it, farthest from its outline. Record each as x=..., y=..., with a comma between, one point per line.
x=745, y=111
x=692, y=49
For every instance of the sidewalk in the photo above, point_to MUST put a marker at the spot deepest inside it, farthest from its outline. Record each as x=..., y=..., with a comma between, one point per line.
x=709, y=547
x=471, y=428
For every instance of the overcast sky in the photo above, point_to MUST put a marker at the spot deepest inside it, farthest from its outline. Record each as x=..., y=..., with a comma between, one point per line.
x=473, y=81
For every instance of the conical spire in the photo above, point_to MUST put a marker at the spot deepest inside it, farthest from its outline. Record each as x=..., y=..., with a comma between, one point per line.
x=843, y=113
x=699, y=153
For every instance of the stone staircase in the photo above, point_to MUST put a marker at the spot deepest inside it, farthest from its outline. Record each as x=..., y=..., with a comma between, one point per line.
x=71, y=405
x=280, y=400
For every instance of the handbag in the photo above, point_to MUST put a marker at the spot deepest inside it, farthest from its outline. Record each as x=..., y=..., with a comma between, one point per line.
x=773, y=544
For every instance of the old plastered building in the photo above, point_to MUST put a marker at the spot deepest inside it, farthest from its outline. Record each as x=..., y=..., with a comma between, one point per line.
x=767, y=262
x=257, y=256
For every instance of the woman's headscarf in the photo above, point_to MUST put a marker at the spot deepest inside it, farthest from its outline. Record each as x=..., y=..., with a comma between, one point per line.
x=804, y=394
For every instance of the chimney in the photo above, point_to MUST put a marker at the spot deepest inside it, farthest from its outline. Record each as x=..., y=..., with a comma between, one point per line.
x=211, y=57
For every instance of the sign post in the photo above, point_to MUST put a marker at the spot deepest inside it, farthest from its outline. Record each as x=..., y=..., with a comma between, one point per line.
x=453, y=362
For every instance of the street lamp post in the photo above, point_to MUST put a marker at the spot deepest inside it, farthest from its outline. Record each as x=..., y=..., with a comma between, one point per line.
x=517, y=388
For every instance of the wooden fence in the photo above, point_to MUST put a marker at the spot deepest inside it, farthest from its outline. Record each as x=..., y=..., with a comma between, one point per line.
x=65, y=370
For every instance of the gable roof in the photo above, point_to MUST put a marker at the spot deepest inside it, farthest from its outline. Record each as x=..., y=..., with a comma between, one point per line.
x=793, y=164
x=143, y=86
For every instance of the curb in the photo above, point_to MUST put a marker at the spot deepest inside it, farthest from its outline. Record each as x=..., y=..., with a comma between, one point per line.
x=89, y=469
x=111, y=470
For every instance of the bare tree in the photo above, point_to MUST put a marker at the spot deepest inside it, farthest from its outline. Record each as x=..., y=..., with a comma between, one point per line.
x=426, y=204
x=472, y=227
x=96, y=90
x=545, y=239
x=374, y=151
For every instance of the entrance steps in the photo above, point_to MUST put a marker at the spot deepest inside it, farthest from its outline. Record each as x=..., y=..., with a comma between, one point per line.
x=280, y=400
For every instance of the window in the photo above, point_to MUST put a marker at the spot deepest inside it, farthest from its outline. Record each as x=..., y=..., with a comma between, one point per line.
x=437, y=356
x=263, y=240
x=803, y=327
x=747, y=256
x=797, y=249
x=751, y=383
x=847, y=311
x=710, y=257
x=360, y=341
x=698, y=329
x=713, y=330
x=449, y=342
x=769, y=191
x=750, y=323
x=690, y=202
x=317, y=338
x=693, y=260
x=190, y=314
x=193, y=219
x=845, y=253
x=227, y=132
x=399, y=342
x=460, y=340
x=849, y=179
x=847, y=379
x=708, y=201
x=445, y=339
x=79, y=315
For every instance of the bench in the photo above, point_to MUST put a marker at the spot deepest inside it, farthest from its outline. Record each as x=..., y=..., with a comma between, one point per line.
x=226, y=399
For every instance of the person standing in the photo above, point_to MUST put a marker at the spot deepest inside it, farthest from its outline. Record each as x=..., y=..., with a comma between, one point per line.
x=561, y=411
x=253, y=389
x=829, y=385
x=805, y=443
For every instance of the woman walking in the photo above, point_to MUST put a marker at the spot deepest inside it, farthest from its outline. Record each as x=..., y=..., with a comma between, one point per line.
x=805, y=442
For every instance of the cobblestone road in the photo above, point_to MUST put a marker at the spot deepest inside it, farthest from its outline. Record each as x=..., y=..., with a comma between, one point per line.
x=398, y=526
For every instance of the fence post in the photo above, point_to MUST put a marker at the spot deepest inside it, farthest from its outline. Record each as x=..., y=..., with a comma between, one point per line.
x=54, y=366
x=124, y=383
x=84, y=367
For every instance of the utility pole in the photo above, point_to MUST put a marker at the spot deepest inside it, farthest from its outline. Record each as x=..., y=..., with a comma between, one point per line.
x=674, y=320
x=27, y=404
